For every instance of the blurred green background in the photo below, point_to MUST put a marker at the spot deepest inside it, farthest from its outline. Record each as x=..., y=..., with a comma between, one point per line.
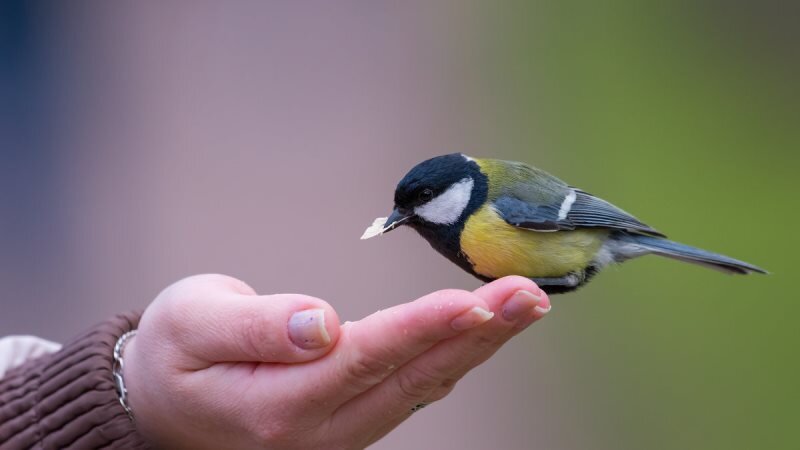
x=686, y=114
x=141, y=142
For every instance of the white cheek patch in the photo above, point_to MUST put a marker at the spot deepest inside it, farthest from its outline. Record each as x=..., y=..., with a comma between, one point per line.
x=447, y=207
x=376, y=229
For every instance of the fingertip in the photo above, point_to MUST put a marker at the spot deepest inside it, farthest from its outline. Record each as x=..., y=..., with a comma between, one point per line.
x=503, y=288
x=471, y=318
x=517, y=282
x=312, y=326
x=308, y=330
x=332, y=324
x=542, y=308
x=544, y=305
x=462, y=309
x=459, y=298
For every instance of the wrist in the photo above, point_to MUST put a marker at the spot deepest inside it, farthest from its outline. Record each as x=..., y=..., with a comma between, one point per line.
x=72, y=401
x=143, y=372
x=118, y=368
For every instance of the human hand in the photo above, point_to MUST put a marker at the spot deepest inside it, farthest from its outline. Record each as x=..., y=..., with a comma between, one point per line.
x=216, y=366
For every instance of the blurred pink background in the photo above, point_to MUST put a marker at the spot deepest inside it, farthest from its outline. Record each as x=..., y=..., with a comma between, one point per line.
x=141, y=142
x=256, y=141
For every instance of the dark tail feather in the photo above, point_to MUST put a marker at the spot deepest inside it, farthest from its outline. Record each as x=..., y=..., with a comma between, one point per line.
x=672, y=249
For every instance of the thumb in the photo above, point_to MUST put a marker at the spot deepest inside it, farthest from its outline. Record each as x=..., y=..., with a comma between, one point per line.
x=214, y=318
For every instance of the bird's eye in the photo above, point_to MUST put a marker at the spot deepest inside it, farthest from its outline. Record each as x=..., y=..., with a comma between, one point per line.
x=426, y=195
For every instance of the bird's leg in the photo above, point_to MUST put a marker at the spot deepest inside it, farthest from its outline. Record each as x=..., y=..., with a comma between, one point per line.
x=570, y=280
x=567, y=283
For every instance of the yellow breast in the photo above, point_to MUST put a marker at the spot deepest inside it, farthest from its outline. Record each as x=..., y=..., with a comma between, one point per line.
x=497, y=249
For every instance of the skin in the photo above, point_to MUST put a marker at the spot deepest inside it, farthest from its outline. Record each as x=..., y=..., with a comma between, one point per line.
x=213, y=365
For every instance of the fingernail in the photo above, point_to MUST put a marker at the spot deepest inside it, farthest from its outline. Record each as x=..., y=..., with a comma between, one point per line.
x=543, y=307
x=307, y=329
x=520, y=304
x=471, y=319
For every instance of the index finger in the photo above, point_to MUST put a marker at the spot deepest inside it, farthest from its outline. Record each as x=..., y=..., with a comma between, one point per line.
x=373, y=348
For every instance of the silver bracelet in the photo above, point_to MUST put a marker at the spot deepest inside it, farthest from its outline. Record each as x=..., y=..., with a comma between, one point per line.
x=116, y=370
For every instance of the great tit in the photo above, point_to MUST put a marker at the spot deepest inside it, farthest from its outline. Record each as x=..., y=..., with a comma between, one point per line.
x=495, y=218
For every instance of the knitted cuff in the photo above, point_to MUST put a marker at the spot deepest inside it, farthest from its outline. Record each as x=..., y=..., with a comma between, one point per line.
x=68, y=399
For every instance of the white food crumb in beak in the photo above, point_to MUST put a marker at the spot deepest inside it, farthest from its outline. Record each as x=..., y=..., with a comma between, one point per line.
x=376, y=229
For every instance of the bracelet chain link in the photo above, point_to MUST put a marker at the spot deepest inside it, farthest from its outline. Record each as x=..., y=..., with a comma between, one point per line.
x=116, y=370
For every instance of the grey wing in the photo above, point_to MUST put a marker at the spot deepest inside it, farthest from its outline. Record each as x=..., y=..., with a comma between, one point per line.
x=530, y=215
x=574, y=209
x=590, y=211
x=531, y=198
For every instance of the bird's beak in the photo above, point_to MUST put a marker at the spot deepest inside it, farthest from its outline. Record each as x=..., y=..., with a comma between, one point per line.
x=397, y=218
x=383, y=224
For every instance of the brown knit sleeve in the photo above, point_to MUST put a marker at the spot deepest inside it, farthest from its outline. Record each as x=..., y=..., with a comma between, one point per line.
x=68, y=399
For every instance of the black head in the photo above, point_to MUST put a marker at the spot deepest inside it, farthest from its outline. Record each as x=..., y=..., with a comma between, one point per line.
x=441, y=191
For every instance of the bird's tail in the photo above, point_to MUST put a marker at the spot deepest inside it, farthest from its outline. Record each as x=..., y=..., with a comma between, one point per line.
x=676, y=250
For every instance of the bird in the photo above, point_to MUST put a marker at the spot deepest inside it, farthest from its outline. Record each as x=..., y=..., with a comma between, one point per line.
x=495, y=218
